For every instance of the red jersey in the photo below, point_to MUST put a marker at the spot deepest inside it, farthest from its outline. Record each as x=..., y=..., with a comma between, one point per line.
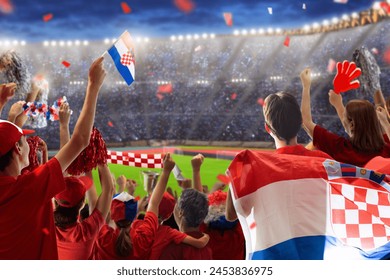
x=299, y=150
x=183, y=251
x=341, y=149
x=143, y=233
x=76, y=242
x=228, y=244
x=164, y=236
x=26, y=219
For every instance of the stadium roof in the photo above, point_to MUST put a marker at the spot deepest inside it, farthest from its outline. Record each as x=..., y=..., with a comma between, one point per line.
x=98, y=19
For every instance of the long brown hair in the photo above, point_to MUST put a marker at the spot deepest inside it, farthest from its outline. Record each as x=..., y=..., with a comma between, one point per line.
x=123, y=244
x=367, y=135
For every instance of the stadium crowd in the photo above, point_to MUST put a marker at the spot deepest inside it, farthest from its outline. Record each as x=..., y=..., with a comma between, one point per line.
x=236, y=72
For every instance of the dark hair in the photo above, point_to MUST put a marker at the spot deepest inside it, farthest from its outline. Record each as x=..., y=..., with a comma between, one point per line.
x=65, y=216
x=123, y=244
x=6, y=158
x=366, y=136
x=195, y=207
x=282, y=115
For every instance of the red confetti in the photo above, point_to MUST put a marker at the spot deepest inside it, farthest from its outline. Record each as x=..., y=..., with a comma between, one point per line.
x=253, y=225
x=126, y=8
x=185, y=6
x=45, y=231
x=223, y=178
x=385, y=6
x=260, y=101
x=110, y=124
x=167, y=88
x=233, y=96
x=228, y=18
x=137, y=198
x=66, y=63
x=47, y=17
x=386, y=56
x=287, y=41
x=6, y=6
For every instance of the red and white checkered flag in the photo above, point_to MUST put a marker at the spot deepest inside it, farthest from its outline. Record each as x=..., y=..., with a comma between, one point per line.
x=136, y=160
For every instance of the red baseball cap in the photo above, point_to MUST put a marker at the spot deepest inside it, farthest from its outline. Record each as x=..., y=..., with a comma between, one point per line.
x=9, y=135
x=166, y=206
x=74, y=191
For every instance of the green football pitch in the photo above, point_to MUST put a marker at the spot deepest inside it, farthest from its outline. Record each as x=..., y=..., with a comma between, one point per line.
x=210, y=169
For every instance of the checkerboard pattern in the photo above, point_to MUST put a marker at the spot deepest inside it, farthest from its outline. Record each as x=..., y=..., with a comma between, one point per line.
x=127, y=59
x=136, y=160
x=360, y=216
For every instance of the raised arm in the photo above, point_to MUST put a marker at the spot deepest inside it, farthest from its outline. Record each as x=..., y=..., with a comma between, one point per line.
x=64, y=118
x=15, y=110
x=379, y=99
x=383, y=119
x=82, y=131
x=159, y=190
x=196, y=163
x=230, y=211
x=103, y=203
x=307, y=119
x=336, y=100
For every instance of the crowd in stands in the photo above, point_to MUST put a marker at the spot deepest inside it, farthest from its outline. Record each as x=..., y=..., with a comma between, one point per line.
x=115, y=225
x=222, y=108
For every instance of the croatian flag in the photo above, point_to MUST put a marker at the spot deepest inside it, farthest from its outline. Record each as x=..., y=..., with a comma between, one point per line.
x=122, y=53
x=296, y=207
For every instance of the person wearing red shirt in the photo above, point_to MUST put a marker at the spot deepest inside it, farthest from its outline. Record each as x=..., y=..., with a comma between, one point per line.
x=360, y=121
x=126, y=241
x=26, y=219
x=190, y=212
x=75, y=238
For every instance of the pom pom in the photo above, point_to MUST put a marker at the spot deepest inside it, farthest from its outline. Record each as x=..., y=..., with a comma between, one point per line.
x=33, y=143
x=15, y=70
x=92, y=156
x=217, y=198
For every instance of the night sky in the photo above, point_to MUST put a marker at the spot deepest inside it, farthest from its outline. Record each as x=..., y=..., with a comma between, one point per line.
x=99, y=19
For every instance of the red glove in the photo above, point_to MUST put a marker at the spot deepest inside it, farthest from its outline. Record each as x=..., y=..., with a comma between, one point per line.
x=347, y=72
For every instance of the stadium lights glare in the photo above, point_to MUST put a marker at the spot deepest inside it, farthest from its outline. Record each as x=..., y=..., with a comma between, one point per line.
x=53, y=43
x=188, y=37
x=46, y=43
x=236, y=32
x=212, y=35
x=376, y=5
x=278, y=30
x=345, y=17
x=354, y=15
x=173, y=38
x=113, y=40
x=244, y=32
x=23, y=43
x=69, y=43
x=196, y=36
x=85, y=43
x=270, y=30
x=253, y=31
x=106, y=41
x=335, y=20
x=77, y=43
x=261, y=31
x=325, y=22
x=62, y=43
x=146, y=39
x=306, y=28
x=181, y=37
x=205, y=35
x=316, y=25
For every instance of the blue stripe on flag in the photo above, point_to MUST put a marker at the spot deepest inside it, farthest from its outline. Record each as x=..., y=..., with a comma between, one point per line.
x=313, y=248
x=123, y=70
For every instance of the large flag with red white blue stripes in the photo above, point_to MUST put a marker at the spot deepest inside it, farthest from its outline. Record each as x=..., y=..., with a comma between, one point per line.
x=298, y=207
x=123, y=55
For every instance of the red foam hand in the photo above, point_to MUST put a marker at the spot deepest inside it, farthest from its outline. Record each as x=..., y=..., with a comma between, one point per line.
x=345, y=77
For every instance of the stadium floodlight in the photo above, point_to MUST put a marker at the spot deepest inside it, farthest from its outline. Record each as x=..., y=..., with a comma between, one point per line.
x=1, y=43
x=7, y=43
x=146, y=39
x=261, y=31
x=325, y=22
x=270, y=30
x=316, y=25
x=345, y=17
x=77, y=43
x=53, y=43
x=196, y=37
x=335, y=20
x=306, y=28
x=354, y=15
x=138, y=39
x=205, y=35
x=85, y=43
x=62, y=43
x=15, y=42
x=113, y=40
x=212, y=35
x=189, y=37
x=376, y=5
x=69, y=43
x=46, y=43
x=253, y=31
x=181, y=37
x=244, y=32
x=173, y=38
x=236, y=32
x=278, y=30
x=106, y=41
